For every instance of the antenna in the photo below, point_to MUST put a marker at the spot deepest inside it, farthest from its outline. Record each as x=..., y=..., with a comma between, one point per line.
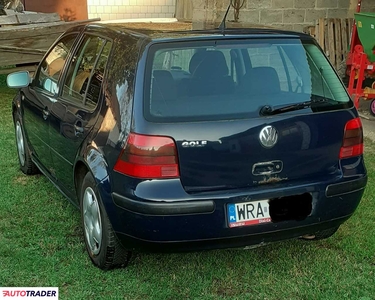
x=222, y=26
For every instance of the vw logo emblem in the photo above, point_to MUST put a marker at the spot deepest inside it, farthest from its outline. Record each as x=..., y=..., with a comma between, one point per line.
x=268, y=136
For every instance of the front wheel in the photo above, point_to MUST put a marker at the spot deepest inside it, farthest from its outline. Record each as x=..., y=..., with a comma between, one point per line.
x=101, y=242
x=27, y=166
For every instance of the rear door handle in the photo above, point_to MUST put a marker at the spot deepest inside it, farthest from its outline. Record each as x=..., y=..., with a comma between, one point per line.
x=78, y=130
x=268, y=168
x=45, y=114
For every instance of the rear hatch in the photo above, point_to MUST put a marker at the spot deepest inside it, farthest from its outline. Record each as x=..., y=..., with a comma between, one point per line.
x=248, y=111
x=219, y=156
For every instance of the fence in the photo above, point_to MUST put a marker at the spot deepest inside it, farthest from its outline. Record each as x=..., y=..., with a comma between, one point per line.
x=333, y=35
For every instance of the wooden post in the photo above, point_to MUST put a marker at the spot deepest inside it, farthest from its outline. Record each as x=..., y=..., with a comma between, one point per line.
x=322, y=34
x=338, y=45
x=331, y=42
x=344, y=36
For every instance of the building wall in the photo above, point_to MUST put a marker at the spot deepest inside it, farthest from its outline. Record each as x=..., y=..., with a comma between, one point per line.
x=285, y=14
x=69, y=10
x=127, y=9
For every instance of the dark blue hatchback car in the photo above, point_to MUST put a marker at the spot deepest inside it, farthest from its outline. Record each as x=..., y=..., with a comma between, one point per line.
x=180, y=141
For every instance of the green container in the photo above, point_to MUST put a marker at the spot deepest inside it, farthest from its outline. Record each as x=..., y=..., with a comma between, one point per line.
x=366, y=31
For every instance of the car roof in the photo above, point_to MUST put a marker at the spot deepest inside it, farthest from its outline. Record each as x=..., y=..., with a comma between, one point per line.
x=146, y=32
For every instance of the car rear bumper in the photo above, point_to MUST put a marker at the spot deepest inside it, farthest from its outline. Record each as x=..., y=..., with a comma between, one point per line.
x=208, y=206
x=249, y=240
x=164, y=209
x=203, y=223
x=346, y=187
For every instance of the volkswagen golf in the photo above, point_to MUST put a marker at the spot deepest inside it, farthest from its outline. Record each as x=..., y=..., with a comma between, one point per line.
x=184, y=141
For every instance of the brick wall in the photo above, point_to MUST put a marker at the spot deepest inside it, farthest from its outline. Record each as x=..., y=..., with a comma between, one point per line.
x=285, y=14
x=128, y=9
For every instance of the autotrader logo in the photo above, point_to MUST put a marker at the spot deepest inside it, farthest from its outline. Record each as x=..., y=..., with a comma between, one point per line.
x=268, y=136
x=29, y=293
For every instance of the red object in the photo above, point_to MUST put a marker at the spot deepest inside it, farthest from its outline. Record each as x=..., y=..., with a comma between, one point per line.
x=146, y=156
x=352, y=143
x=361, y=68
x=358, y=66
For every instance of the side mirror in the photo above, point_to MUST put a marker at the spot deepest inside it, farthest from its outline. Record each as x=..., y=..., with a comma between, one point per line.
x=18, y=80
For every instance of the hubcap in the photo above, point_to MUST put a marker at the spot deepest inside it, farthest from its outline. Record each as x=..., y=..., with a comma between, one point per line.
x=91, y=220
x=20, y=143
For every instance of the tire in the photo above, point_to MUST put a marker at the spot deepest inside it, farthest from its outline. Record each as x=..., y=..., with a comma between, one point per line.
x=372, y=107
x=27, y=166
x=102, y=245
x=321, y=235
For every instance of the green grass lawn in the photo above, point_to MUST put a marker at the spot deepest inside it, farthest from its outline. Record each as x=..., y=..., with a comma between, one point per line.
x=41, y=244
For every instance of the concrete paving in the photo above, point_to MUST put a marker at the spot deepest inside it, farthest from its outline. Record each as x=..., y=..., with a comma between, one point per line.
x=368, y=129
x=368, y=120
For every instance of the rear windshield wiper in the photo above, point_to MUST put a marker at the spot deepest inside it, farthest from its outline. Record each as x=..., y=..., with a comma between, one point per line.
x=267, y=110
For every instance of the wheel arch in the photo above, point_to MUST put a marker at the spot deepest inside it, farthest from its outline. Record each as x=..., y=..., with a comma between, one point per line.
x=14, y=108
x=80, y=170
x=94, y=162
x=16, y=105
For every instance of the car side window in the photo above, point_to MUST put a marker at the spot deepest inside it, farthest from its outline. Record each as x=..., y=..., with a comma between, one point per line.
x=51, y=67
x=95, y=83
x=86, y=71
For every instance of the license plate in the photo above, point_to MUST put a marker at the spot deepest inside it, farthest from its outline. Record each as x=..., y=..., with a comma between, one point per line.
x=248, y=213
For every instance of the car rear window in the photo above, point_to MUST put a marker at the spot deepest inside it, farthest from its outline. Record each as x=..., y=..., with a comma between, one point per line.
x=231, y=79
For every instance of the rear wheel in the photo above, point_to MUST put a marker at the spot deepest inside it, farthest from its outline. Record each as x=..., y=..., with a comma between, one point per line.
x=24, y=157
x=101, y=242
x=321, y=235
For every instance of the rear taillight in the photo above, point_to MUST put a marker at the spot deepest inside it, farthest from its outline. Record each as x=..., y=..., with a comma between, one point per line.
x=146, y=156
x=352, y=144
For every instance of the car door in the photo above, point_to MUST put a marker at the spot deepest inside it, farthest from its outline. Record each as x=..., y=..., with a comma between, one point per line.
x=39, y=98
x=75, y=112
